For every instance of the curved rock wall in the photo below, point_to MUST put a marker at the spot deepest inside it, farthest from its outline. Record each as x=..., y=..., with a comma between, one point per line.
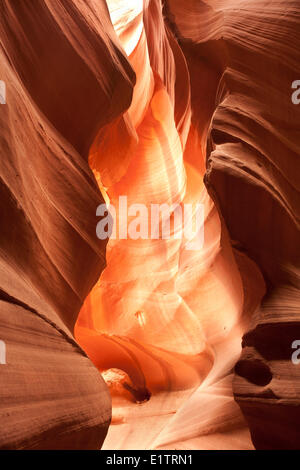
x=55, y=58
x=253, y=176
x=153, y=98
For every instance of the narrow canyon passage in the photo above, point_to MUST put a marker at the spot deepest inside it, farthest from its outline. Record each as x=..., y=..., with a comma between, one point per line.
x=149, y=210
x=163, y=317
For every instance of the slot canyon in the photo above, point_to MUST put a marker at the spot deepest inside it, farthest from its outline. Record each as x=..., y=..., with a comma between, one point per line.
x=149, y=342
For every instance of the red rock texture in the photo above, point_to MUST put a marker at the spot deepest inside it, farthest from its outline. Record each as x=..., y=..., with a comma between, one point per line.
x=253, y=176
x=203, y=93
x=56, y=58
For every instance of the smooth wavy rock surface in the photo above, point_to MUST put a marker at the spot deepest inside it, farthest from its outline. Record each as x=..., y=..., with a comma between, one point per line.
x=253, y=174
x=53, y=57
x=171, y=319
x=174, y=102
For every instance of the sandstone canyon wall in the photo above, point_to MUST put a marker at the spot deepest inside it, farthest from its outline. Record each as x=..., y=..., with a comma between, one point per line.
x=253, y=175
x=166, y=102
x=62, y=69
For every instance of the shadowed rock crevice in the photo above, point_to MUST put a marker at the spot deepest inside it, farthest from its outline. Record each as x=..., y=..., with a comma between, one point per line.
x=254, y=371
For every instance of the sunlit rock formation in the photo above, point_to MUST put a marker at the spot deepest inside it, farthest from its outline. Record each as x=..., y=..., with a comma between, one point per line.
x=166, y=316
x=174, y=102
